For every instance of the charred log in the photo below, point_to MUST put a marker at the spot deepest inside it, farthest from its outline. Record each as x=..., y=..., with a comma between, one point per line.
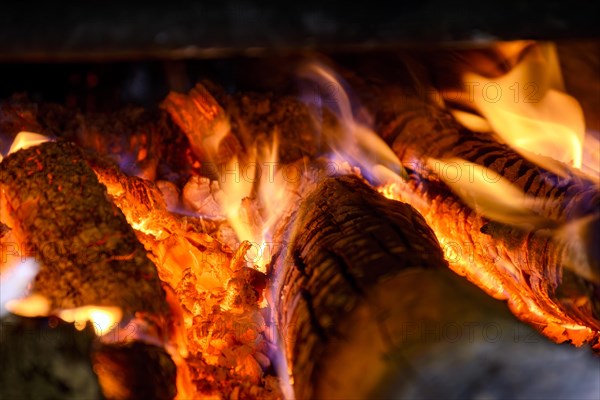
x=221, y=124
x=525, y=266
x=143, y=143
x=63, y=216
x=348, y=245
x=46, y=358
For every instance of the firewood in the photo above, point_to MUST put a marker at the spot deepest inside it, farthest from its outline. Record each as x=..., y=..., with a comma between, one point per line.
x=347, y=243
x=144, y=143
x=560, y=303
x=368, y=309
x=434, y=335
x=88, y=252
x=220, y=126
x=204, y=122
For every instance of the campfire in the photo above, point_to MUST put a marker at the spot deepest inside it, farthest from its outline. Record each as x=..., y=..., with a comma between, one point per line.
x=383, y=229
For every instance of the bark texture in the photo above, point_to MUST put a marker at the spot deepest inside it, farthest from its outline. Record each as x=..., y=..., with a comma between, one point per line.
x=346, y=242
x=88, y=252
x=524, y=266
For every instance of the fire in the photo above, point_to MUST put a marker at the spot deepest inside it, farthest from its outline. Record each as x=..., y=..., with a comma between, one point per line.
x=552, y=126
x=529, y=110
x=15, y=280
x=353, y=141
x=103, y=319
x=257, y=189
x=218, y=323
x=34, y=305
x=488, y=193
x=24, y=140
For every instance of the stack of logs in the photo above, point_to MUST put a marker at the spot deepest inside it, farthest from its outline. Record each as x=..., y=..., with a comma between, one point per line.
x=358, y=280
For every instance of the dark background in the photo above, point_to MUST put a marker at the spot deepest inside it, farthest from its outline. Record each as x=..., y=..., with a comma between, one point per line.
x=70, y=30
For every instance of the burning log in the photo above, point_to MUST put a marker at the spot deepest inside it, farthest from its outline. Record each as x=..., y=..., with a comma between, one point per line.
x=367, y=310
x=143, y=143
x=218, y=126
x=348, y=249
x=61, y=214
x=515, y=262
x=89, y=256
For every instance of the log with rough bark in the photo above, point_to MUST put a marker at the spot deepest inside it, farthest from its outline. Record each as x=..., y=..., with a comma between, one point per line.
x=367, y=309
x=89, y=256
x=62, y=215
x=347, y=248
x=526, y=266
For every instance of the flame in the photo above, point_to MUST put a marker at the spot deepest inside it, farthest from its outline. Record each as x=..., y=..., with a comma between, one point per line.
x=253, y=221
x=488, y=193
x=34, y=305
x=103, y=319
x=25, y=140
x=16, y=278
x=528, y=109
x=591, y=154
x=354, y=141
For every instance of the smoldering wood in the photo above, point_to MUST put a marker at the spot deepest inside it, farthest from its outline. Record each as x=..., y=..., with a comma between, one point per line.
x=142, y=142
x=88, y=252
x=46, y=358
x=416, y=129
x=368, y=310
x=243, y=120
x=346, y=243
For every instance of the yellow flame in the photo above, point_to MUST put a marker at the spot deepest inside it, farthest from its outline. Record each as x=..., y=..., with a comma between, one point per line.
x=24, y=140
x=103, y=319
x=254, y=221
x=485, y=191
x=528, y=109
x=34, y=305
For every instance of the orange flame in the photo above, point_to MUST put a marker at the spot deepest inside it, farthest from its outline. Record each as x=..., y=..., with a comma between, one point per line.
x=103, y=319
x=528, y=109
x=253, y=221
x=24, y=140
